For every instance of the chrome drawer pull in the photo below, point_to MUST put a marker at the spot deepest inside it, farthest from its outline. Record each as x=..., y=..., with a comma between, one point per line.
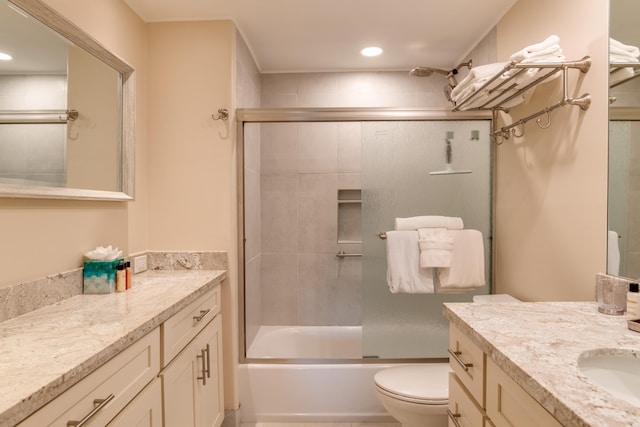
x=456, y=356
x=202, y=314
x=204, y=367
x=453, y=417
x=101, y=404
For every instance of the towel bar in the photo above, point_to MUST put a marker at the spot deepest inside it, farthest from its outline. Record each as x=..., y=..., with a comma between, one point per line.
x=343, y=254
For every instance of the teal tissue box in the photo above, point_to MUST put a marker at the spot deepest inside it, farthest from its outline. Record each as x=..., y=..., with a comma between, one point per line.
x=99, y=277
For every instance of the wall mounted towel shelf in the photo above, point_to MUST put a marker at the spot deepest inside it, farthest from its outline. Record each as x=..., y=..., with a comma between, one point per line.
x=503, y=87
x=614, y=67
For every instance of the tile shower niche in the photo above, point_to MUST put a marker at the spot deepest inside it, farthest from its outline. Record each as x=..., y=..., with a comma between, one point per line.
x=349, y=216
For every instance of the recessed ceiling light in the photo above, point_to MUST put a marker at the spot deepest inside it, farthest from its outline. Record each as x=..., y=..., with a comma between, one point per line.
x=371, y=51
x=5, y=57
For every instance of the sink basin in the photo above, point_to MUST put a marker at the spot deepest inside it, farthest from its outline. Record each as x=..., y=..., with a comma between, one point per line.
x=614, y=370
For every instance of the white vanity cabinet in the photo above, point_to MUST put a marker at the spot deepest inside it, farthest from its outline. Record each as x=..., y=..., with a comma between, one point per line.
x=98, y=398
x=192, y=374
x=481, y=394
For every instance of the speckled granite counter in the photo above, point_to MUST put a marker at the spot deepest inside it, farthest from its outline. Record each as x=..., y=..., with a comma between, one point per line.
x=46, y=351
x=538, y=345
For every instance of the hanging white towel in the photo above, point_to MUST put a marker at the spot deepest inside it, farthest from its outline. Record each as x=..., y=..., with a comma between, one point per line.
x=403, y=264
x=467, y=266
x=613, y=254
x=429, y=221
x=436, y=247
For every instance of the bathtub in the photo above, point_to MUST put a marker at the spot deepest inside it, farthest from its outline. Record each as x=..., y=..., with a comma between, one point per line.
x=309, y=392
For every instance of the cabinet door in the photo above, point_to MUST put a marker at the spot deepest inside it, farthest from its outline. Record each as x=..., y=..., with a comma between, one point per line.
x=143, y=411
x=179, y=389
x=209, y=393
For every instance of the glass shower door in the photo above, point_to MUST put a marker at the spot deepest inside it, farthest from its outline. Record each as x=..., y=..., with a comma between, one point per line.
x=397, y=158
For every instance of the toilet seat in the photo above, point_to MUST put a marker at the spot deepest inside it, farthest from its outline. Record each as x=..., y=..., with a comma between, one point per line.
x=426, y=384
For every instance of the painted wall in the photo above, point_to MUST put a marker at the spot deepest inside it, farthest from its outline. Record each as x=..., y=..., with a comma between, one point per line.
x=551, y=185
x=43, y=237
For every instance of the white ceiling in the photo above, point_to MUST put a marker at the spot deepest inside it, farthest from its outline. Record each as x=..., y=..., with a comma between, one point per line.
x=327, y=35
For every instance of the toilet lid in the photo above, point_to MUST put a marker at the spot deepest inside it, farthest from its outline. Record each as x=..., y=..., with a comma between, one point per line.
x=427, y=382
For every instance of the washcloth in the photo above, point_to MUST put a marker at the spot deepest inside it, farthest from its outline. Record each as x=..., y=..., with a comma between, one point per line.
x=436, y=247
x=429, y=221
x=613, y=254
x=467, y=266
x=543, y=48
x=403, y=264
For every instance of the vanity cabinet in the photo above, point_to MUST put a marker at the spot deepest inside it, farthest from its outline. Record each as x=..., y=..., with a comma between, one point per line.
x=192, y=379
x=481, y=394
x=98, y=398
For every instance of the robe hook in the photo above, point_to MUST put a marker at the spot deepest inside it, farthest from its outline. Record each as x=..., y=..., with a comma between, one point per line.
x=518, y=135
x=539, y=122
x=223, y=114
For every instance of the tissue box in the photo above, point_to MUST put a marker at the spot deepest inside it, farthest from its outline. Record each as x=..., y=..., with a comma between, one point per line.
x=99, y=277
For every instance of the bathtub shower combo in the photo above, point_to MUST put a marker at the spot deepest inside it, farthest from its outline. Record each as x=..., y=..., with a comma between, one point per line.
x=318, y=190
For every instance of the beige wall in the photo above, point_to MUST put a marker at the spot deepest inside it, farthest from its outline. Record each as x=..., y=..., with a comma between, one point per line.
x=191, y=158
x=551, y=185
x=42, y=237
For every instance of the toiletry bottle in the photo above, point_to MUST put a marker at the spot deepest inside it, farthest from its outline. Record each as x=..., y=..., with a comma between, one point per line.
x=121, y=278
x=633, y=301
x=128, y=274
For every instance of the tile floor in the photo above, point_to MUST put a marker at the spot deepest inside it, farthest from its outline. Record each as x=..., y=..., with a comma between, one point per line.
x=320, y=425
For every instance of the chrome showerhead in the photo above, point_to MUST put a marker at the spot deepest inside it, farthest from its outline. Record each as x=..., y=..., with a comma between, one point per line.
x=426, y=71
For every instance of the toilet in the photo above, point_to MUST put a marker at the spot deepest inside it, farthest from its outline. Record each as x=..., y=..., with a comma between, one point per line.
x=418, y=395
x=415, y=395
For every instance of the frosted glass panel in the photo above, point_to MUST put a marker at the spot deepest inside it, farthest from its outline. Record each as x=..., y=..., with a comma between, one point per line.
x=396, y=160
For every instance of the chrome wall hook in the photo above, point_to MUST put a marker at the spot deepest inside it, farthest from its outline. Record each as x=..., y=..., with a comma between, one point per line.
x=518, y=135
x=223, y=114
x=539, y=122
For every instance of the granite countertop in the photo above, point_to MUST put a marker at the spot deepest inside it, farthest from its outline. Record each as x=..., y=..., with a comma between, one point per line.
x=538, y=346
x=46, y=351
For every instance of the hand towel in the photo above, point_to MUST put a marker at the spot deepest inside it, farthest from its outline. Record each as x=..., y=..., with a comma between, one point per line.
x=613, y=254
x=467, y=266
x=544, y=47
x=436, y=247
x=429, y=221
x=403, y=264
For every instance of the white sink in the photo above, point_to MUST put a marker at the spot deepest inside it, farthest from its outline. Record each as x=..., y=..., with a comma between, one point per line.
x=614, y=370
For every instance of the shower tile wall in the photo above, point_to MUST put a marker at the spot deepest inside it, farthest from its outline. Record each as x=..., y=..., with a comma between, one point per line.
x=34, y=152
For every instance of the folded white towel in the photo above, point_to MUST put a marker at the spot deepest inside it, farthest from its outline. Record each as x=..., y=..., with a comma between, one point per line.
x=617, y=46
x=546, y=46
x=467, y=266
x=478, y=76
x=429, y=221
x=613, y=254
x=403, y=264
x=436, y=247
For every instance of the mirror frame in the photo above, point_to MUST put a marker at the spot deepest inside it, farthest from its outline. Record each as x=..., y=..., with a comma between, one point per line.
x=61, y=25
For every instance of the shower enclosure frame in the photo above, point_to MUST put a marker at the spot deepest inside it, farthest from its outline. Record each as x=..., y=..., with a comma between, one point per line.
x=297, y=115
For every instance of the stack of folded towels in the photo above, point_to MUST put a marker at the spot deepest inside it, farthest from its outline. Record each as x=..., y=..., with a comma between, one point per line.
x=622, y=53
x=428, y=254
x=548, y=50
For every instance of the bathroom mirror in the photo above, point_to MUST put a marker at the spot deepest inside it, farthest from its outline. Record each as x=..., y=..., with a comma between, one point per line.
x=623, y=247
x=66, y=109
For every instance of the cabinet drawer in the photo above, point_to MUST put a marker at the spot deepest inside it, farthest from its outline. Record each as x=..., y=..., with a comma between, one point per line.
x=180, y=329
x=509, y=405
x=467, y=360
x=144, y=410
x=463, y=410
x=121, y=377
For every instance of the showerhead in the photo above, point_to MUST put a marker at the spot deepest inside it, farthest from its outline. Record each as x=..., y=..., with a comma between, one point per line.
x=426, y=71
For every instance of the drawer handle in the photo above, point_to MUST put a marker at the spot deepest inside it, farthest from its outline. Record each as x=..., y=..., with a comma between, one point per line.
x=208, y=363
x=101, y=403
x=456, y=356
x=453, y=417
x=205, y=363
x=202, y=314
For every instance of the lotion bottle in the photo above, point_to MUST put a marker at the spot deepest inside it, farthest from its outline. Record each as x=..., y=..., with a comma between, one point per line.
x=633, y=301
x=121, y=278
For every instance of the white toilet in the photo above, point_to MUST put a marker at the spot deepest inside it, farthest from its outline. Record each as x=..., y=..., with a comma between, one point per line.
x=415, y=395
x=418, y=395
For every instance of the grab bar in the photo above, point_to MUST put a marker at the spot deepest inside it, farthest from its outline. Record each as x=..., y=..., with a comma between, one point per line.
x=343, y=254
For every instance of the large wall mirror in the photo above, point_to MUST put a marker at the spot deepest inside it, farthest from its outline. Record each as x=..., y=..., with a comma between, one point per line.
x=624, y=141
x=66, y=109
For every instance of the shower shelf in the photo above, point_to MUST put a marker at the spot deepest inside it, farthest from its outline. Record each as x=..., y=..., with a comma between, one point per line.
x=505, y=91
